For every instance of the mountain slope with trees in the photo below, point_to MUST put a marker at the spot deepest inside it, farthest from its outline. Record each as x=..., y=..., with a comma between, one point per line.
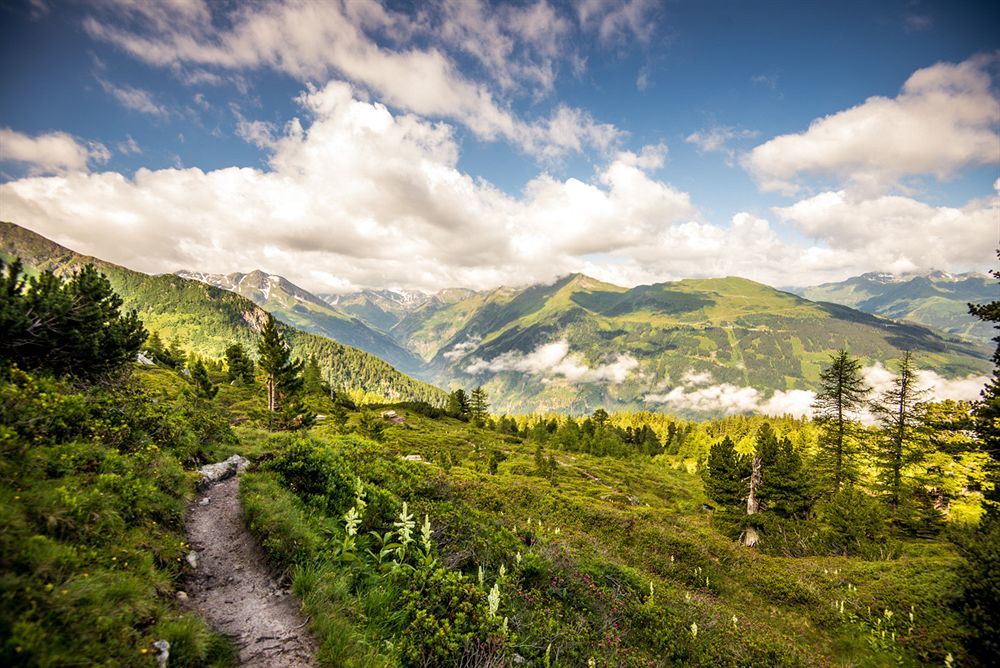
x=206, y=320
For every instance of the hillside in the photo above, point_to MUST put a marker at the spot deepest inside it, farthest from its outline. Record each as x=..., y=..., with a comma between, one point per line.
x=304, y=310
x=206, y=319
x=580, y=343
x=934, y=299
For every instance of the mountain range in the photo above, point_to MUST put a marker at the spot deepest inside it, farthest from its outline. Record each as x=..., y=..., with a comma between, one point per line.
x=936, y=299
x=571, y=345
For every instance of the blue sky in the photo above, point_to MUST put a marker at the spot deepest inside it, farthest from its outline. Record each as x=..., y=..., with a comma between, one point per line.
x=477, y=144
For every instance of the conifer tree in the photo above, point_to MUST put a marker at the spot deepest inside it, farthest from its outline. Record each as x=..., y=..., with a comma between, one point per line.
x=987, y=410
x=312, y=377
x=458, y=404
x=725, y=474
x=241, y=367
x=204, y=387
x=842, y=392
x=479, y=406
x=281, y=373
x=897, y=416
x=72, y=327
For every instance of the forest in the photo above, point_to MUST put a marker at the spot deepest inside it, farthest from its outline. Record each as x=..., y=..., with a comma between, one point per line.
x=434, y=532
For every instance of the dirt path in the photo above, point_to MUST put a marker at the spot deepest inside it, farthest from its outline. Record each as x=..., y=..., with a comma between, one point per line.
x=233, y=588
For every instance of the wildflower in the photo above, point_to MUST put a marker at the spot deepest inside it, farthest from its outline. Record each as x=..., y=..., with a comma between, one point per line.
x=517, y=558
x=888, y=614
x=687, y=596
x=425, y=534
x=351, y=521
x=591, y=663
x=504, y=626
x=694, y=629
x=494, y=600
x=359, y=495
x=480, y=576
x=651, y=589
x=841, y=607
x=949, y=661
x=404, y=527
x=735, y=621
x=503, y=572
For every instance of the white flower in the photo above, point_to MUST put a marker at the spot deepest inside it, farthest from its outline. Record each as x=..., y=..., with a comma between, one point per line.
x=351, y=521
x=425, y=534
x=494, y=600
x=694, y=629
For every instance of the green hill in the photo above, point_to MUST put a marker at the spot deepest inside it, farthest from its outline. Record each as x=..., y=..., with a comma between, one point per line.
x=622, y=345
x=206, y=319
x=935, y=299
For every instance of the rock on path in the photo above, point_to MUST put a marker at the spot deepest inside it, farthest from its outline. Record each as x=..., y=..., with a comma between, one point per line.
x=235, y=590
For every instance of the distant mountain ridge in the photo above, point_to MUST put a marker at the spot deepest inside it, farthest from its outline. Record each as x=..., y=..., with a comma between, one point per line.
x=206, y=318
x=306, y=311
x=935, y=299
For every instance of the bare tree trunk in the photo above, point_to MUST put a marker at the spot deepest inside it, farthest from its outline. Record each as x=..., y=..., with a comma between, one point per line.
x=750, y=536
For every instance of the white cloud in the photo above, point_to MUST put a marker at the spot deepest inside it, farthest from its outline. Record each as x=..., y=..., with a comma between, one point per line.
x=553, y=360
x=311, y=41
x=900, y=234
x=618, y=21
x=53, y=152
x=944, y=118
x=718, y=138
x=461, y=349
x=356, y=196
x=129, y=147
x=696, y=394
x=135, y=99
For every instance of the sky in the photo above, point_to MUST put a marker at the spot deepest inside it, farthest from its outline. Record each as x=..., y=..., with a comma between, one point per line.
x=467, y=143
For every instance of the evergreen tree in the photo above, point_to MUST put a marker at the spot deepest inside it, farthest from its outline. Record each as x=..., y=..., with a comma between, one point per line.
x=154, y=346
x=981, y=598
x=725, y=474
x=842, y=392
x=987, y=410
x=281, y=373
x=175, y=354
x=338, y=417
x=600, y=418
x=896, y=412
x=204, y=387
x=371, y=426
x=71, y=327
x=458, y=404
x=479, y=406
x=312, y=377
x=241, y=367
x=786, y=489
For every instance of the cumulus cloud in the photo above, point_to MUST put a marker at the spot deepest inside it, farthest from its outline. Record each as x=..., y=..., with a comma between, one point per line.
x=900, y=234
x=314, y=40
x=53, y=152
x=403, y=213
x=943, y=119
x=552, y=360
x=462, y=349
x=718, y=138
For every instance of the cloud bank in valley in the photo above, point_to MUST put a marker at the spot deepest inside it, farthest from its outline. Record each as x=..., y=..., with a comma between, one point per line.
x=554, y=360
x=697, y=393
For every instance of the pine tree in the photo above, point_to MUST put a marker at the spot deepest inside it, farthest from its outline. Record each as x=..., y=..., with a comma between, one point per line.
x=241, y=367
x=479, y=406
x=73, y=327
x=312, y=377
x=786, y=489
x=281, y=373
x=987, y=410
x=842, y=392
x=458, y=404
x=725, y=474
x=202, y=383
x=896, y=412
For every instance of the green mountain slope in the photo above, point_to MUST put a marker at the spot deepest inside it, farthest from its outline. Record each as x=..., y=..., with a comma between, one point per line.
x=935, y=299
x=304, y=310
x=206, y=319
x=579, y=343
